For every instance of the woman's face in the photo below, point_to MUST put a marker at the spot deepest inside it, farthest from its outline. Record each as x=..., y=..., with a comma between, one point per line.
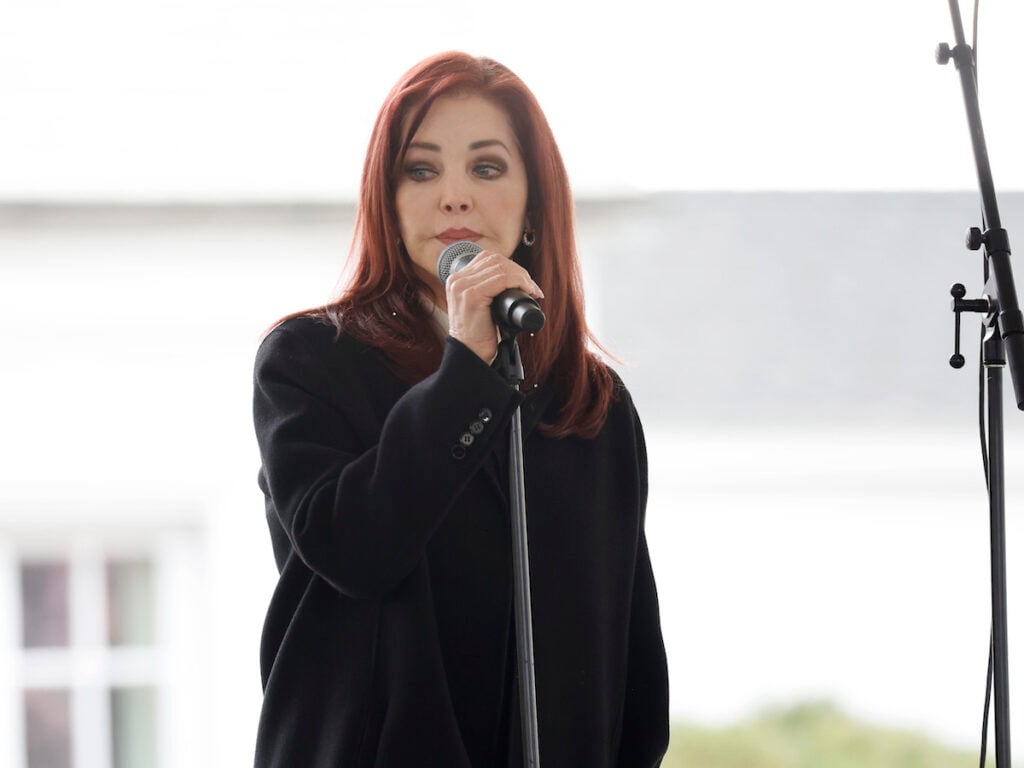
x=463, y=178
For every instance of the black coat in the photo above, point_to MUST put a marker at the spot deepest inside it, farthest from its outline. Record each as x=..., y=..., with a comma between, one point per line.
x=388, y=640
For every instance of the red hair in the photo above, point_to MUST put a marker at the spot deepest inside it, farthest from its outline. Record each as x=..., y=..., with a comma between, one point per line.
x=380, y=303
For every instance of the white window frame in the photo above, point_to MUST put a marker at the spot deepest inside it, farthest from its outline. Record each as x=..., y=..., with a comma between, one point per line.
x=89, y=668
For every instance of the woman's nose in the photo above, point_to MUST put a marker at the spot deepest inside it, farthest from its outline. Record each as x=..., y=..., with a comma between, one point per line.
x=452, y=205
x=456, y=199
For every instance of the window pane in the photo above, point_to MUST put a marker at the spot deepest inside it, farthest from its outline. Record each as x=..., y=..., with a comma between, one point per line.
x=130, y=602
x=47, y=728
x=133, y=722
x=44, y=604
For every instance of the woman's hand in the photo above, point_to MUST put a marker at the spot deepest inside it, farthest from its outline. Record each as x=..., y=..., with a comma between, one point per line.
x=470, y=292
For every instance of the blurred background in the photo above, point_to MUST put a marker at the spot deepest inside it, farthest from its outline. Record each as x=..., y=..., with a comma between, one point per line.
x=771, y=200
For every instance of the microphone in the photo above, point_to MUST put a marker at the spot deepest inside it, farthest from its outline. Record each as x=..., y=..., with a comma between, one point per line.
x=514, y=309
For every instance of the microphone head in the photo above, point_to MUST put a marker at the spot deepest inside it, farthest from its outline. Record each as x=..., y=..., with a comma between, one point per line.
x=454, y=257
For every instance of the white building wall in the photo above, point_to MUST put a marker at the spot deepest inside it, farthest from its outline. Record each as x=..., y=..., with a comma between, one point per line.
x=129, y=339
x=795, y=559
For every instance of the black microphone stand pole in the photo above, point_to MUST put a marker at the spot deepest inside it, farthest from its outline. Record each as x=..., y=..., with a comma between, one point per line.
x=1004, y=342
x=510, y=366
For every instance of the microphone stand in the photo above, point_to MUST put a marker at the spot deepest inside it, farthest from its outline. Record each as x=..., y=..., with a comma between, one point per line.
x=1004, y=342
x=509, y=365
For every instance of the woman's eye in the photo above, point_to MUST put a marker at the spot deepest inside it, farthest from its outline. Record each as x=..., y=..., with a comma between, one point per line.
x=488, y=170
x=419, y=172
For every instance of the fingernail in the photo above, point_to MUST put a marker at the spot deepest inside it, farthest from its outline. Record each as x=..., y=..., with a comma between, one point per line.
x=537, y=288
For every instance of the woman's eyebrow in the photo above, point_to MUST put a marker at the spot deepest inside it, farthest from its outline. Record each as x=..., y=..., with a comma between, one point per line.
x=475, y=145
x=488, y=143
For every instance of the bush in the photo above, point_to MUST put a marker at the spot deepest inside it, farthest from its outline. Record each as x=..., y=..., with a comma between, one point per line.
x=812, y=735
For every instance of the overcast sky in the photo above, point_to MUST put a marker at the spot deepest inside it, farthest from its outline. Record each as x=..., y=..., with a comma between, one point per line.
x=224, y=99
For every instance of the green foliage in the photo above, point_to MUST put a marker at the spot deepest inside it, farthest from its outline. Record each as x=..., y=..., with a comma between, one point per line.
x=813, y=735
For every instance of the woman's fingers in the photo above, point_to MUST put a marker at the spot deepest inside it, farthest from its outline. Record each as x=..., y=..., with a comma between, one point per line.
x=470, y=293
x=497, y=272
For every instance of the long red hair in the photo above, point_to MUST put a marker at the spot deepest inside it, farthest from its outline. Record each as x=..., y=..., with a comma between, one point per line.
x=380, y=305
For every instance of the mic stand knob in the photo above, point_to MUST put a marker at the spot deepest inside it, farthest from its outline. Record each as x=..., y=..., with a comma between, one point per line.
x=943, y=54
x=974, y=239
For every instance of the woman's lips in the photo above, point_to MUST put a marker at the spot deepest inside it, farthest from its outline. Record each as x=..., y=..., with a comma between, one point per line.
x=450, y=236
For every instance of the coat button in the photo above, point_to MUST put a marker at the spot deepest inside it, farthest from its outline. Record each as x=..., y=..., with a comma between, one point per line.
x=476, y=427
x=485, y=415
x=466, y=439
x=458, y=452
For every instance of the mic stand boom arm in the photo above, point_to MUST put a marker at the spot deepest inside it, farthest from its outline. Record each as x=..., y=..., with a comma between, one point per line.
x=995, y=238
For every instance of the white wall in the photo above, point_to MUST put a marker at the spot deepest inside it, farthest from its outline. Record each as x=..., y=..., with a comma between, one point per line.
x=821, y=558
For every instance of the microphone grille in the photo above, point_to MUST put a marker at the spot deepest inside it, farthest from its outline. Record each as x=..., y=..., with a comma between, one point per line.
x=457, y=250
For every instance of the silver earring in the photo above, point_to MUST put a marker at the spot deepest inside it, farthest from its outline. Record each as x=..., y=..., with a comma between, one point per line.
x=529, y=237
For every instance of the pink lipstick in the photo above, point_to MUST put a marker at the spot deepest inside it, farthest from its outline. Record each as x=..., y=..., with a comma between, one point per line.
x=452, y=235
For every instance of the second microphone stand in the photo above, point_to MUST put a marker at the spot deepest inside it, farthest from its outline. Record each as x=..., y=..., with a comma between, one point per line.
x=1003, y=347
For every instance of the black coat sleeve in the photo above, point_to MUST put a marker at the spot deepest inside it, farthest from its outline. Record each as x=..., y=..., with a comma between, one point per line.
x=358, y=509
x=645, y=726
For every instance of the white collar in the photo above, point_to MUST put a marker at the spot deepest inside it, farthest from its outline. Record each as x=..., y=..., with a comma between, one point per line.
x=438, y=316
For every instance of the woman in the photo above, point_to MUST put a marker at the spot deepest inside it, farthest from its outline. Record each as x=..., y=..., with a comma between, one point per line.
x=382, y=428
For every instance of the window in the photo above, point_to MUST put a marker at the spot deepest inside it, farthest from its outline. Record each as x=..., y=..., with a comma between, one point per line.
x=86, y=654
